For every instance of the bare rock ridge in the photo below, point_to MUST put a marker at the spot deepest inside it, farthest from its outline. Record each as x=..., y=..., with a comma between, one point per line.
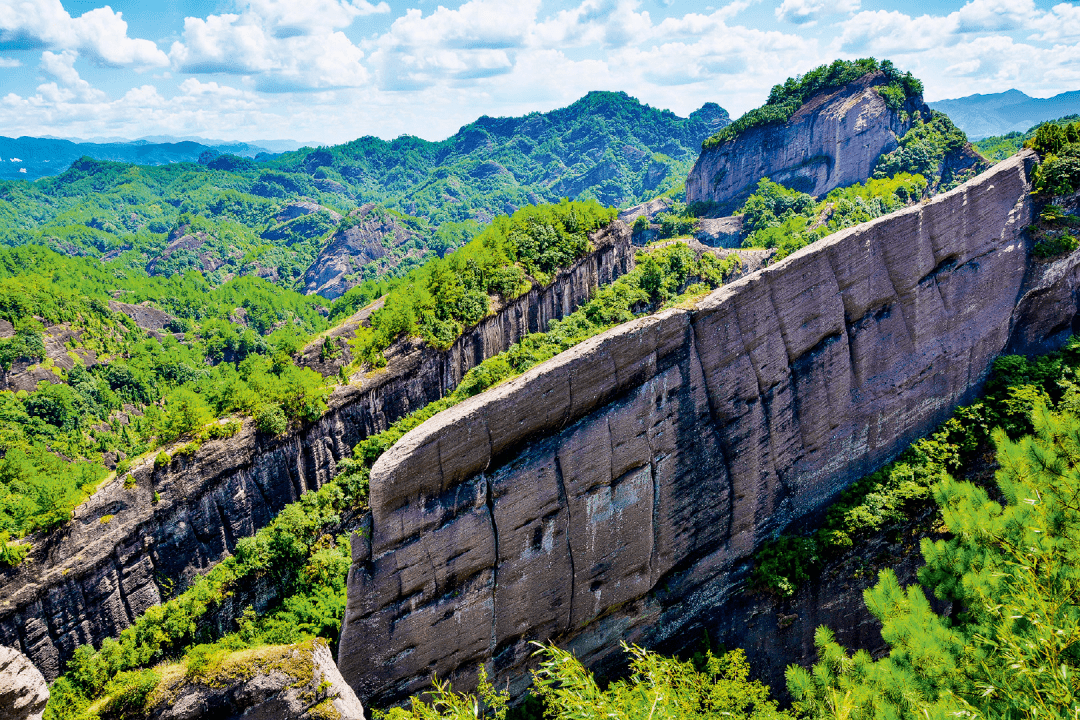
x=127, y=548
x=23, y=692
x=617, y=491
x=834, y=139
x=371, y=237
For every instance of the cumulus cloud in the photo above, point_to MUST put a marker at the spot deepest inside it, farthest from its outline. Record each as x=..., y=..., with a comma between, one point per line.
x=62, y=67
x=283, y=46
x=809, y=11
x=477, y=40
x=6, y=62
x=100, y=34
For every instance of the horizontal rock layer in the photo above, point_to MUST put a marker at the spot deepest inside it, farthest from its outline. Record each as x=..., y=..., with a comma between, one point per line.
x=833, y=140
x=126, y=549
x=618, y=491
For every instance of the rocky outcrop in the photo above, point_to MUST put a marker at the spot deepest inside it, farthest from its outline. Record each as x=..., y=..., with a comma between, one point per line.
x=373, y=234
x=23, y=692
x=293, y=682
x=618, y=491
x=834, y=139
x=128, y=547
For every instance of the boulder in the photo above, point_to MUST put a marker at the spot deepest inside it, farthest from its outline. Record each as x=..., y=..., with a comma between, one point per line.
x=23, y=692
x=287, y=682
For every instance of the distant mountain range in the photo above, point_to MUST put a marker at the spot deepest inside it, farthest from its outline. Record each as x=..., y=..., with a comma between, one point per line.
x=29, y=158
x=982, y=116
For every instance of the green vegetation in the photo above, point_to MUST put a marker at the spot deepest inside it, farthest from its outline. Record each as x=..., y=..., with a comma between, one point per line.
x=304, y=551
x=1055, y=233
x=439, y=300
x=140, y=393
x=784, y=100
x=935, y=149
x=606, y=146
x=778, y=217
x=1000, y=147
x=1012, y=649
x=1059, y=148
x=657, y=687
x=235, y=356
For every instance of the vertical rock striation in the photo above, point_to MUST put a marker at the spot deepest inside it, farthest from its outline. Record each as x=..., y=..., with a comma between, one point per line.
x=617, y=491
x=833, y=140
x=125, y=549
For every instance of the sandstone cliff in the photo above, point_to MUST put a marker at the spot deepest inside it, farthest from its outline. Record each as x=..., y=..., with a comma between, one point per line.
x=834, y=139
x=618, y=491
x=126, y=548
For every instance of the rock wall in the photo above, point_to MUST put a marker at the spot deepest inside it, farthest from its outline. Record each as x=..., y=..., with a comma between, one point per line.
x=834, y=139
x=618, y=491
x=127, y=548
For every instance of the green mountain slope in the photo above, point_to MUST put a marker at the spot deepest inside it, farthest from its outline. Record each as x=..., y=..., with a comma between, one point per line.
x=606, y=146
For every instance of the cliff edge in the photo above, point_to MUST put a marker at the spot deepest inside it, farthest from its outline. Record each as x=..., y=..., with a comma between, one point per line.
x=619, y=490
x=832, y=140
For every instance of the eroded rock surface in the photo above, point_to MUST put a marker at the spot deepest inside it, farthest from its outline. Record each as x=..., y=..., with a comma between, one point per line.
x=127, y=548
x=618, y=491
x=297, y=682
x=23, y=692
x=375, y=234
x=832, y=140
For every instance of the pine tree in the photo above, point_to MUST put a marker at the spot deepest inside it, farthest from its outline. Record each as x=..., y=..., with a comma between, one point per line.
x=1012, y=571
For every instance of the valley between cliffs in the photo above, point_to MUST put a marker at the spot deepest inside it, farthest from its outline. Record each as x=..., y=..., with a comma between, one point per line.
x=618, y=491
x=128, y=548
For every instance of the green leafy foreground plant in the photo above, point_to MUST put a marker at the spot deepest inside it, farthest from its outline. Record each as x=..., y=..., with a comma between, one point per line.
x=657, y=687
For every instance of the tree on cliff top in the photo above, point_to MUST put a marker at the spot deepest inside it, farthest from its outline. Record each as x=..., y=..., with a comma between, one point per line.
x=784, y=100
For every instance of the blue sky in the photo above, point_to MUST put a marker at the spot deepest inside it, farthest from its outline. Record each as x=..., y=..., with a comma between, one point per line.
x=328, y=71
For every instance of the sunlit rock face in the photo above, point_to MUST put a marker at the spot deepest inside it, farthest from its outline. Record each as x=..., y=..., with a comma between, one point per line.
x=833, y=140
x=618, y=491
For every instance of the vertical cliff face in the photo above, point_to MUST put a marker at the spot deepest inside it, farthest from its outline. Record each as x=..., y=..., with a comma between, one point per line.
x=834, y=139
x=126, y=548
x=618, y=491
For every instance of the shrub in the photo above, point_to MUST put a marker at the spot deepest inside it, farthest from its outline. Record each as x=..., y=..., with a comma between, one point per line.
x=162, y=460
x=11, y=554
x=270, y=419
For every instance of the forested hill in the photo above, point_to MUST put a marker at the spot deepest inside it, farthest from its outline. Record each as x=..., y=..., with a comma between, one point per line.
x=607, y=145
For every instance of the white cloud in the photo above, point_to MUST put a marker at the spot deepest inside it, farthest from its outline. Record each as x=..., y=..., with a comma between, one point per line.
x=892, y=32
x=62, y=67
x=289, y=18
x=1061, y=23
x=809, y=11
x=6, y=62
x=100, y=34
x=281, y=46
x=477, y=40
